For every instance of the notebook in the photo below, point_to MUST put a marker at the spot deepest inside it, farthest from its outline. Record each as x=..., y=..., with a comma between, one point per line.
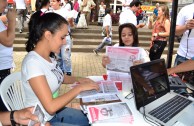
x=153, y=97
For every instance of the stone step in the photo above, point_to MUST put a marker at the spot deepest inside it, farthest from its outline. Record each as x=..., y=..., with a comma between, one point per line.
x=115, y=31
x=82, y=48
x=92, y=42
x=86, y=49
x=98, y=36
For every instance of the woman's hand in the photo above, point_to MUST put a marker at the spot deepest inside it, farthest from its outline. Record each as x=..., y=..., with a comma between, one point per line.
x=105, y=61
x=11, y=15
x=87, y=84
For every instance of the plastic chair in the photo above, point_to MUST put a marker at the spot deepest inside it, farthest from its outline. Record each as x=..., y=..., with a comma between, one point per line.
x=12, y=92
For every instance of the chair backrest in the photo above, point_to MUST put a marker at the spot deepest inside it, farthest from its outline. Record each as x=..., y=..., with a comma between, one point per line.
x=12, y=92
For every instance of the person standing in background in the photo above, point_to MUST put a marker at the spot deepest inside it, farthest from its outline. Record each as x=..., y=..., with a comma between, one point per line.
x=139, y=15
x=125, y=4
x=33, y=7
x=67, y=5
x=128, y=15
x=184, y=27
x=7, y=36
x=76, y=8
x=65, y=53
x=160, y=32
x=21, y=13
x=42, y=5
x=82, y=19
x=155, y=12
x=87, y=9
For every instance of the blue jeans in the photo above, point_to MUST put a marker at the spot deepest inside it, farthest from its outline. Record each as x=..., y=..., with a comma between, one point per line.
x=179, y=59
x=65, y=56
x=102, y=44
x=69, y=117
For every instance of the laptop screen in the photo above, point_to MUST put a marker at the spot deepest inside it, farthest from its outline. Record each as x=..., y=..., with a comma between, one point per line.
x=150, y=81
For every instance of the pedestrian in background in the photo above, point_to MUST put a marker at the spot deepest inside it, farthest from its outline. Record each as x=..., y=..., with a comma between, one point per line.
x=128, y=16
x=107, y=31
x=125, y=4
x=82, y=19
x=42, y=5
x=87, y=9
x=65, y=53
x=160, y=32
x=155, y=12
x=76, y=8
x=101, y=12
x=21, y=13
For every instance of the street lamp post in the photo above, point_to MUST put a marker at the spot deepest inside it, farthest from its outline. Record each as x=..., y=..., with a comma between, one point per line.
x=172, y=33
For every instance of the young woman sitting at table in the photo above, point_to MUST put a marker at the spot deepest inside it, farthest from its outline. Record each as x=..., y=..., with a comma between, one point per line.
x=128, y=37
x=42, y=76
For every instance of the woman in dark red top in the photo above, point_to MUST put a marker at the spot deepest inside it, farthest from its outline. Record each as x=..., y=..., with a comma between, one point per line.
x=160, y=32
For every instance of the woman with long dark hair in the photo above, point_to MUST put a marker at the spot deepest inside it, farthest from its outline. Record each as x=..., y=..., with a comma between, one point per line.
x=160, y=32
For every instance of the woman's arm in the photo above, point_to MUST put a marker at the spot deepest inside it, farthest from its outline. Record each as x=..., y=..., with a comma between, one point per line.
x=7, y=36
x=167, y=29
x=40, y=87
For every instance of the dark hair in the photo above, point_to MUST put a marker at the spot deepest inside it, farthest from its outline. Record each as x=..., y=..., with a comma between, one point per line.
x=136, y=3
x=134, y=32
x=108, y=10
x=41, y=22
x=41, y=3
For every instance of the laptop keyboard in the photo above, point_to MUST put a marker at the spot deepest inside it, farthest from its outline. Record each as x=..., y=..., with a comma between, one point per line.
x=170, y=108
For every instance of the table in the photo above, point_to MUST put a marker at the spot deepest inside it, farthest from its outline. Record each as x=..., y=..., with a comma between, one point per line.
x=138, y=117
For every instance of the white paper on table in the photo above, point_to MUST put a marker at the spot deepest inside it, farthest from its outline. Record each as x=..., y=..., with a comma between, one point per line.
x=110, y=97
x=106, y=88
x=108, y=111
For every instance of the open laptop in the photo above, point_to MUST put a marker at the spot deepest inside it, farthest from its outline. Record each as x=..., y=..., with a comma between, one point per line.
x=154, y=99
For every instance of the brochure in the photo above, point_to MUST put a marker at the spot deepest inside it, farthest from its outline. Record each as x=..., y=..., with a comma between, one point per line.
x=108, y=111
x=38, y=112
x=122, y=59
x=106, y=88
x=96, y=100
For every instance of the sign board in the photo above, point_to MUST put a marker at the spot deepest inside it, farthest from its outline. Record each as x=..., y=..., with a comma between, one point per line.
x=147, y=8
